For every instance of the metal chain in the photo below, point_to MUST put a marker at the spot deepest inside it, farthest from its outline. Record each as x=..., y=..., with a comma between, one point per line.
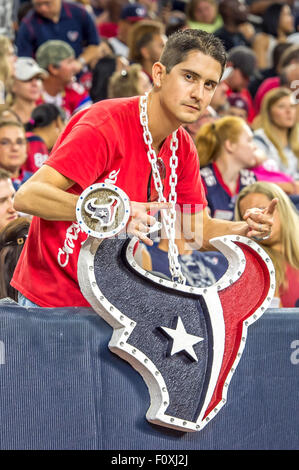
x=169, y=219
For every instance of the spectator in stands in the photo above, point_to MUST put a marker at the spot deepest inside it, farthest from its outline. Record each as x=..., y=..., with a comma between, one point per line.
x=101, y=76
x=27, y=87
x=288, y=78
x=236, y=30
x=7, y=114
x=200, y=269
x=271, y=72
x=12, y=239
x=57, y=19
x=130, y=14
x=226, y=150
x=7, y=192
x=289, y=57
x=60, y=87
x=209, y=115
x=107, y=13
x=46, y=123
x=283, y=243
x=7, y=11
x=13, y=151
x=258, y=7
x=278, y=23
x=237, y=106
x=129, y=82
x=278, y=133
x=146, y=42
x=243, y=62
x=7, y=66
x=175, y=21
x=203, y=14
x=219, y=100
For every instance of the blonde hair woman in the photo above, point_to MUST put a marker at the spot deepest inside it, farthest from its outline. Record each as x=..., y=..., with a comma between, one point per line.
x=277, y=132
x=131, y=81
x=7, y=60
x=283, y=243
x=226, y=151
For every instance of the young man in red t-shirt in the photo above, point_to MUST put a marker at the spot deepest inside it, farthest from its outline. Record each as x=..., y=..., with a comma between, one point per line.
x=106, y=143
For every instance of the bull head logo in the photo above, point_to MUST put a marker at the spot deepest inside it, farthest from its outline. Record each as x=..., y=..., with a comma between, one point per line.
x=104, y=213
x=184, y=341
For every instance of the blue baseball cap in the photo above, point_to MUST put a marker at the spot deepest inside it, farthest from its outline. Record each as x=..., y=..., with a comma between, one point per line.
x=133, y=12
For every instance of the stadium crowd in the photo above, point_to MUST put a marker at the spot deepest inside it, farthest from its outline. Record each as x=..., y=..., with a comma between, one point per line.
x=59, y=57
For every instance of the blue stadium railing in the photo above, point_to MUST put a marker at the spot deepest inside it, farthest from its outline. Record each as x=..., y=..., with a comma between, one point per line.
x=61, y=388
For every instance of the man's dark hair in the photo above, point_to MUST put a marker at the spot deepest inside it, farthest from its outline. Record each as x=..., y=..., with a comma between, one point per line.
x=182, y=42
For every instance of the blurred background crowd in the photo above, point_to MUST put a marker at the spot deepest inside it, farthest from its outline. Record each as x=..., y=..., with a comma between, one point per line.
x=58, y=57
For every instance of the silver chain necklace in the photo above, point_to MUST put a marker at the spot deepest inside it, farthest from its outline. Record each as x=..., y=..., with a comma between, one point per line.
x=170, y=218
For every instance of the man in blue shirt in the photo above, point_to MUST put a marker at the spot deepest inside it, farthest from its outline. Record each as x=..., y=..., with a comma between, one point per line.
x=56, y=19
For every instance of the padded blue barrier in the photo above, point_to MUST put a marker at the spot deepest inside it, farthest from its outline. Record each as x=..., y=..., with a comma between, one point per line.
x=61, y=388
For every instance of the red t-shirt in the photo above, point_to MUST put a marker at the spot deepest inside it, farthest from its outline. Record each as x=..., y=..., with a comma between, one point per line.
x=37, y=152
x=103, y=143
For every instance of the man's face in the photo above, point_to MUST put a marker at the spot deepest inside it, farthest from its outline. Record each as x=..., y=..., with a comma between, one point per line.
x=47, y=8
x=66, y=70
x=7, y=211
x=189, y=87
x=238, y=112
x=219, y=98
x=28, y=90
x=237, y=80
x=155, y=47
x=238, y=10
x=205, y=12
x=13, y=150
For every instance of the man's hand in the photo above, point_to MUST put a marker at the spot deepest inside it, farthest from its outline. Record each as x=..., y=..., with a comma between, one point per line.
x=140, y=220
x=260, y=221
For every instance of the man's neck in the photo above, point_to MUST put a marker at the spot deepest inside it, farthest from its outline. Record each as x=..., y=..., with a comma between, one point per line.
x=52, y=86
x=231, y=27
x=55, y=17
x=160, y=123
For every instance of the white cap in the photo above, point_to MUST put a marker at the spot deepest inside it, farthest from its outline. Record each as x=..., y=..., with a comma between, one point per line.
x=26, y=68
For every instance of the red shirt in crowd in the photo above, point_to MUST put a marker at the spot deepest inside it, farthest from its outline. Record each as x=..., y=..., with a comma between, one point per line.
x=102, y=143
x=37, y=152
x=74, y=98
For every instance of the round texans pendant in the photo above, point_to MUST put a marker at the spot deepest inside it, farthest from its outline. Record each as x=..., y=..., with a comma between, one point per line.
x=103, y=210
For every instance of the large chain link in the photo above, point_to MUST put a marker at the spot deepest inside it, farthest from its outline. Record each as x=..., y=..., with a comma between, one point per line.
x=169, y=219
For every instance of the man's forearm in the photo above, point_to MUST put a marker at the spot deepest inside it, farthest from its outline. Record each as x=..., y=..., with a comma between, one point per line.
x=89, y=53
x=203, y=228
x=46, y=201
x=218, y=228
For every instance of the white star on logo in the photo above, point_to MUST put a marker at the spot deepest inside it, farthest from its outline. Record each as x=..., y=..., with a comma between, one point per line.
x=102, y=213
x=182, y=341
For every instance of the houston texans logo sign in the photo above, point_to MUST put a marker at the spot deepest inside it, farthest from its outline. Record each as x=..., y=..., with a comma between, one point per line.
x=103, y=210
x=184, y=341
x=104, y=213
